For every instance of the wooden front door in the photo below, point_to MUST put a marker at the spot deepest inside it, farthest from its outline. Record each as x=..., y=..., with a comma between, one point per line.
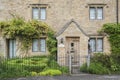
x=11, y=48
x=73, y=49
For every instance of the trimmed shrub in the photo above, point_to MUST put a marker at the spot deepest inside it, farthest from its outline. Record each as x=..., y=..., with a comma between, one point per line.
x=50, y=72
x=64, y=69
x=30, y=67
x=36, y=68
x=33, y=73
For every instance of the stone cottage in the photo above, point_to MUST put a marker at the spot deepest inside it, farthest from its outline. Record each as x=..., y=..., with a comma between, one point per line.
x=76, y=23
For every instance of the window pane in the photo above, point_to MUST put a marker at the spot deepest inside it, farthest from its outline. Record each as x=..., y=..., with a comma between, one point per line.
x=92, y=45
x=92, y=13
x=42, y=45
x=43, y=13
x=35, y=13
x=12, y=48
x=100, y=13
x=99, y=45
x=35, y=45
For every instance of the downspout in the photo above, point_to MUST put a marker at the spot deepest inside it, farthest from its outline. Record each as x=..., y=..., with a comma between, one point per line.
x=117, y=12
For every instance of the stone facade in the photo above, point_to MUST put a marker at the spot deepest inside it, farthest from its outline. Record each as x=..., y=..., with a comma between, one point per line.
x=69, y=18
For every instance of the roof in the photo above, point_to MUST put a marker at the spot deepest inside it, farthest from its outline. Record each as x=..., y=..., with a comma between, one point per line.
x=67, y=25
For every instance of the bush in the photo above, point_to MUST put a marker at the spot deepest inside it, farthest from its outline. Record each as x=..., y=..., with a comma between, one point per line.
x=113, y=30
x=53, y=64
x=95, y=68
x=10, y=74
x=12, y=71
x=50, y=72
x=111, y=62
x=102, y=58
x=19, y=61
x=30, y=67
x=64, y=69
x=98, y=68
x=36, y=68
x=102, y=64
x=33, y=73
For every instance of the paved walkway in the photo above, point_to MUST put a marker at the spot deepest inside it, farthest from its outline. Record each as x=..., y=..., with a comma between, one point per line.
x=74, y=77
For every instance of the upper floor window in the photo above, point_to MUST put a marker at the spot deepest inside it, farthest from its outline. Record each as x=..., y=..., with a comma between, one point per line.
x=96, y=44
x=96, y=13
x=39, y=13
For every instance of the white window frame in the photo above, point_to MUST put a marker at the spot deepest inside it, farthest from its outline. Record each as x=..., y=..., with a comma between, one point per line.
x=39, y=47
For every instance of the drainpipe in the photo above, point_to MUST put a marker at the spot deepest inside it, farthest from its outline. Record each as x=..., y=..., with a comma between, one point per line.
x=117, y=12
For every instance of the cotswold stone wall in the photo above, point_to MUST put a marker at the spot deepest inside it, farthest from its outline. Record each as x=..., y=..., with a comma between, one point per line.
x=60, y=12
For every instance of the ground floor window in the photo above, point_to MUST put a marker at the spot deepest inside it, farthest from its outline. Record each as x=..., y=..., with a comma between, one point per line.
x=39, y=45
x=96, y=44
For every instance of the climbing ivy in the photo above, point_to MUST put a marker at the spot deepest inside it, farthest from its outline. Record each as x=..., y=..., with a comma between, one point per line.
x=113, y=30
x=52, y=44
x=25, y=31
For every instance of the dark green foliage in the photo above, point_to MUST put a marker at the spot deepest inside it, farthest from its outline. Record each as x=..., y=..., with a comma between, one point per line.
x=35, y=67
x=12, y=71
x=102, y=58
x=98, y=68
x=54, y=65
x=19, y=61
x=113, y=30
x=26, y=31
x=64, y=69
x=95, y=68
x=29, y=66
x=84, y=68
x=52, y=44
x=102, y=64
x=109, y=61
x=23, y=30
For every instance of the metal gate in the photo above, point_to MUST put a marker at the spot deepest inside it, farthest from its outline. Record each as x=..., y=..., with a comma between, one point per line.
x=75, y=62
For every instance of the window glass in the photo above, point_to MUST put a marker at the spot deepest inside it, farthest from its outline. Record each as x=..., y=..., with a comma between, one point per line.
x=42, y=45
x=92, y=45
x=92, y=13
x=35, y=45
x=39, y=45
x=96, y=44
x=35, y=13
x=99, y=45
x=100, y=13
x=42, y=13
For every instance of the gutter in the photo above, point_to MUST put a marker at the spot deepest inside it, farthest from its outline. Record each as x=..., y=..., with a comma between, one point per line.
x=117, y=11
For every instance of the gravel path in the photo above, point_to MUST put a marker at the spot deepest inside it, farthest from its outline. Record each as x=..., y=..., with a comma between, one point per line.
x=73, y=77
